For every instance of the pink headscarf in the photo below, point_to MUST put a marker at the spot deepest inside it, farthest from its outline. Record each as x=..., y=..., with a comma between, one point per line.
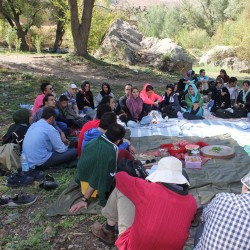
x=134, y=106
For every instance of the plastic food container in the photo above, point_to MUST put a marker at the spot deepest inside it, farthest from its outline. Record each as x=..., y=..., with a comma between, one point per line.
x=191, y=147
x=193, y=162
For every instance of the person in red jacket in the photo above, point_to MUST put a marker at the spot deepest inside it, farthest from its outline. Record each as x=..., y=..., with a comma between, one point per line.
x=155, y=213
x=102, y=109
x=150, y=99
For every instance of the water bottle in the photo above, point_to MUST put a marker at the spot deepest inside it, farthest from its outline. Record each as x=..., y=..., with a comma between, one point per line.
x=24, y=162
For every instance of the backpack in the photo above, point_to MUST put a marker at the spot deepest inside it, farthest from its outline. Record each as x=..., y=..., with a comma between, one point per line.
x=10, y=157
x=239, y=112
x=132, y=167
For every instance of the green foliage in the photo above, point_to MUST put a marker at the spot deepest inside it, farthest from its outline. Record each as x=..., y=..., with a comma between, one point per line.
x=193, y=39
x=101, y=20
x=10, y=37
x=38, y=43
x=159, y=21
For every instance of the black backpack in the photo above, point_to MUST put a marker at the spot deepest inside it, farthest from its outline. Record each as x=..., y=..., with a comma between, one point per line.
x=132, y=167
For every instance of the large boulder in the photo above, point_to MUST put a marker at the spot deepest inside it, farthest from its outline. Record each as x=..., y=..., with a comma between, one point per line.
x=121, y=43
x=124, y=43
x=165, y=55
x=225, y=57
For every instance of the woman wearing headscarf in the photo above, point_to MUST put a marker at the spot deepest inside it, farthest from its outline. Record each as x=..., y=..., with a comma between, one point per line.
x=223, y=74
x=183, y=83
x=243, y=99
x=106, y=90
x=221, y=96
x=16, y=132
x=137, y=114
x=150, y=99
x=170, y=104
x=84, y=98
x=194, y=101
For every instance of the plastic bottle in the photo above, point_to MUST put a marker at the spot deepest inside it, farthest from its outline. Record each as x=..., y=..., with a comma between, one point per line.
x=24, y=162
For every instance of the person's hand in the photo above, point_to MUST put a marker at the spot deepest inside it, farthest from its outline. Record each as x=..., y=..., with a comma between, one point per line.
x=195, y=106
x=156, y=104
x=131, y=149
x=223, y=93
x=64, y=139
x=76, y=207
x=223, y=104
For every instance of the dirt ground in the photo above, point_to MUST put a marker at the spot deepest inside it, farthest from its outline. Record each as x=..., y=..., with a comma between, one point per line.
x=56, y=66
x=29, y=228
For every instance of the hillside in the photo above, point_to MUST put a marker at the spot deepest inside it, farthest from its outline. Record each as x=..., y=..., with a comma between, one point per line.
x=144, y=3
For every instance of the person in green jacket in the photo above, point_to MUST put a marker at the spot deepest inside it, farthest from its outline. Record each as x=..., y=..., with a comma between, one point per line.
x=97, y=165
x=194, y=101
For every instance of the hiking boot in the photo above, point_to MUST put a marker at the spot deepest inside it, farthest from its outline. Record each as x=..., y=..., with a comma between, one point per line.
x=104, y=235
x=18, y=180
x=37, y=175
x=4, y=202
x=22, y=200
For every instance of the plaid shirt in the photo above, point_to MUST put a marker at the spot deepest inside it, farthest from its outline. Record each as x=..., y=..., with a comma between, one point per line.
x=227, y=223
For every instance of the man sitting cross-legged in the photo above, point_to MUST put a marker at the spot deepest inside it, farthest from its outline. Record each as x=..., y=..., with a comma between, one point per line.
x=155, y=213
x=42, y=144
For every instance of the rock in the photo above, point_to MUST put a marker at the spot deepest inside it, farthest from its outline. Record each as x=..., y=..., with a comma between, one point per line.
x=48, y=230
x=124, y=43
x=225, y=57
x=121, y=43
x=165, y=55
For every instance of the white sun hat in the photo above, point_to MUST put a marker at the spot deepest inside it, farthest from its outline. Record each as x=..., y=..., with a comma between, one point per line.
x=169, y=170
x=246, y=180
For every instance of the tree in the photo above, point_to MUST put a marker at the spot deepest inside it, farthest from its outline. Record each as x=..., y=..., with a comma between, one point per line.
x=209, y=14
x=60, y=13
x=14, y=10
x=80, y=27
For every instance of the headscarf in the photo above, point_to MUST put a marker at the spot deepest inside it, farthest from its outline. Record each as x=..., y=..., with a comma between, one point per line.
x=245, y=93
x=222, y=83
x=189, y=76
x=86, y=95
x=193, y=97
x=22, y=116
x=102, y=92
x=134, y=105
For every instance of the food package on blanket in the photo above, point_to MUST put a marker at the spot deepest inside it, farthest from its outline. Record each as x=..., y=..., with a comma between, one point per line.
x=191, y=147
x=193, y=162
x=183, y=143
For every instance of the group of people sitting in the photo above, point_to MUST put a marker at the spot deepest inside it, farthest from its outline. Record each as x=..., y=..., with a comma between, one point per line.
x=151, y=213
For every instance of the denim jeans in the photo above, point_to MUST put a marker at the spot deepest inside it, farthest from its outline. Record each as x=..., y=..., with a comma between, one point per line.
x=144, y=121
x=59, y=158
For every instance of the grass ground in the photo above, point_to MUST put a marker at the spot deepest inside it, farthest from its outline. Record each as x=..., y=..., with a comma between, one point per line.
x=29, y=227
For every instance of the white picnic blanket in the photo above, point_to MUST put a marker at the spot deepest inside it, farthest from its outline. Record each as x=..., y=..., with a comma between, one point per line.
x=238, y=129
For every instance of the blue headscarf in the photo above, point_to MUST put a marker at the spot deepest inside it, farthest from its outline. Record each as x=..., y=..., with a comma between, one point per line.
x=193, y=97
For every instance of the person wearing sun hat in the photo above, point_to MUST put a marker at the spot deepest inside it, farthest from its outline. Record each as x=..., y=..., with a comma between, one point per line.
x=71, y=93
x=155, y=213
x=226, y=221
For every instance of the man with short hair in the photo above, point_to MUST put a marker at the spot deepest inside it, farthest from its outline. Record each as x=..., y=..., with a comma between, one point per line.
x=42, y=144
x=46, y=88
x=101, y=110
x=232, y=89
x=71, y=97
x=97, y=165
x=155, y=213
x=49, y=101
x=226, y=221
x=121, y=105
x=203, y=79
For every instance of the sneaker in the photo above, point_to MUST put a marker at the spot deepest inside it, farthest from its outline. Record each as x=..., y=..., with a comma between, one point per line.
x=18, y=180
x=104, y=235
x=37, y=175
x=22, y=200
x=4, y=202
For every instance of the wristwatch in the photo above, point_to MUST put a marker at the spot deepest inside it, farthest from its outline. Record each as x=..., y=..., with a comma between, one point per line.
x=85, y=200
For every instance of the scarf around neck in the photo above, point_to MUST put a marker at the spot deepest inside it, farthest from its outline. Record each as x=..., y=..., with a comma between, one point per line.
x=134, y=106
x=245, y=94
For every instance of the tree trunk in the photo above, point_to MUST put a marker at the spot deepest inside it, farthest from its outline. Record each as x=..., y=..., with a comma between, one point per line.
x=22, y=35
x=80, y=31
x=60, y=31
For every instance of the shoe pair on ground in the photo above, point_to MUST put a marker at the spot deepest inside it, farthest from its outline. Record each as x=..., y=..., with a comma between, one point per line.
x=18, y=200
x=106, y=236
x=27, y=178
